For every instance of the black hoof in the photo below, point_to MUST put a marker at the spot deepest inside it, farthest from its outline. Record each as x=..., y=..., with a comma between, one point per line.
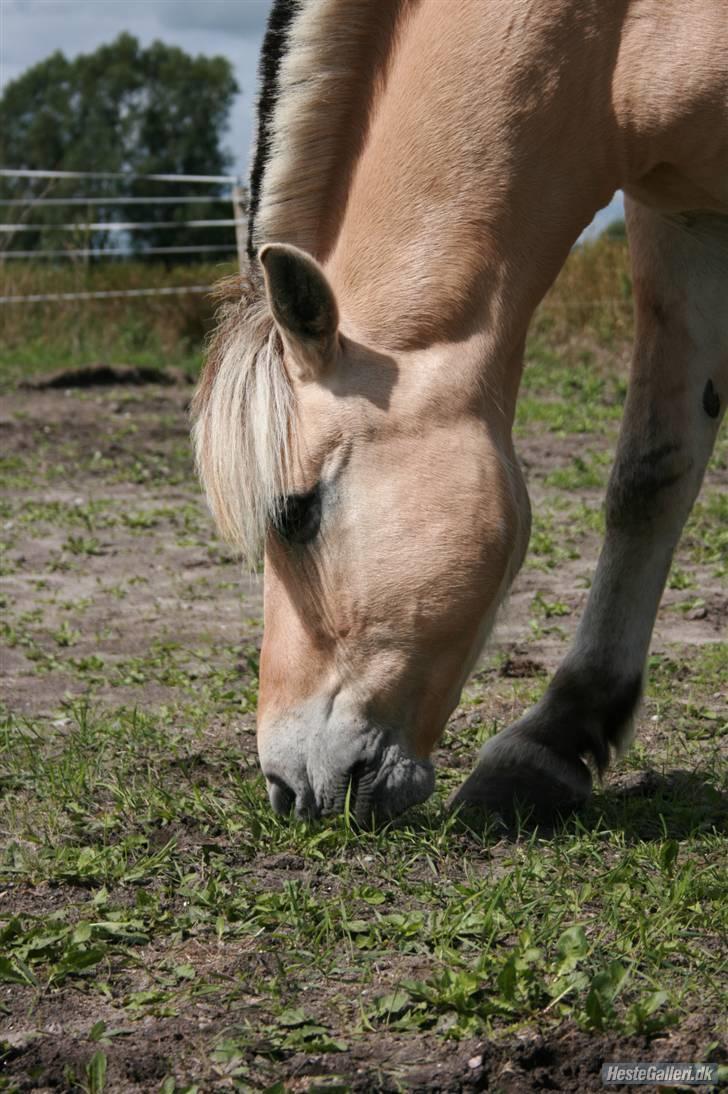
x=516, y=778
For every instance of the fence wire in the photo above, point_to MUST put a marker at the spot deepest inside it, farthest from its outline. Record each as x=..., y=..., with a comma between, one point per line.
x=29, y=203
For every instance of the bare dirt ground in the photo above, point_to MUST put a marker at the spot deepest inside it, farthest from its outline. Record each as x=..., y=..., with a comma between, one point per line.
x=116, y=592
x=128, y=452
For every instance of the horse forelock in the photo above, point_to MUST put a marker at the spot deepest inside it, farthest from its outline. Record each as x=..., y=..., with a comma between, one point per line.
x=243, y=415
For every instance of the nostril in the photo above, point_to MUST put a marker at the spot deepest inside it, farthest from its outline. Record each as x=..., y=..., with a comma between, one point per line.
x=281, y=796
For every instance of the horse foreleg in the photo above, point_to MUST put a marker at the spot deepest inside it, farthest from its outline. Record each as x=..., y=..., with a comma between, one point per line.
x=677, y=396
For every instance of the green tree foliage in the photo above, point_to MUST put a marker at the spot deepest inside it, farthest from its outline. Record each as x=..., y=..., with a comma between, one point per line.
x=616, y=230
x=123, y=108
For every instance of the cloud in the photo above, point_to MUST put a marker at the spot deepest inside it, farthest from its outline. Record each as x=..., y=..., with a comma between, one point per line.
x=242, y=18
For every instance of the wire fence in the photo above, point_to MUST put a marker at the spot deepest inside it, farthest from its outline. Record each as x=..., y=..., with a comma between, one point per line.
x=84, y=228
x=125, y=176
x=118, y=252
x=85, y=247
x=122, y=226
x=105, y=294
x=157, y=200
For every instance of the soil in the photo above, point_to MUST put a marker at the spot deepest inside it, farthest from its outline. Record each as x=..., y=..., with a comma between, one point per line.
x=101, y=374
x=567, y=1060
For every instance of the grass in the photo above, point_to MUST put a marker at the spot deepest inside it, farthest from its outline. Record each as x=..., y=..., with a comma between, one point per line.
x=181, y=936
x=163, y=330
x=615, y=923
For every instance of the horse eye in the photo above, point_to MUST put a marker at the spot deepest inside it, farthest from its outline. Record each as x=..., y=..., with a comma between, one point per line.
x=299, y=517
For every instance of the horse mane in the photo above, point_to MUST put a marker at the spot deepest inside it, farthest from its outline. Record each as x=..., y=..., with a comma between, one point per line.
x=321, y=64
x=330, y=59
x=272, y=50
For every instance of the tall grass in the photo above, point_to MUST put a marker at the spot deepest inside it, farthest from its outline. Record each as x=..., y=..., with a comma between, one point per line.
x=155, y=330
x=591, y=301
x=590, y=304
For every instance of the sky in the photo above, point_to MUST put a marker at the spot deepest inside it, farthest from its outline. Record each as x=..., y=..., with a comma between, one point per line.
x=32, y=29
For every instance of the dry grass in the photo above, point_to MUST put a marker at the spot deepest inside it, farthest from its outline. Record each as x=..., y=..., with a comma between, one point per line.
x=591, y=300
x=156, y=330
x=589, y=308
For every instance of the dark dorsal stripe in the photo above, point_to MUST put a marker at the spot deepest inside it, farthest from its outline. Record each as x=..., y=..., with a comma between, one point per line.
x=274, y=48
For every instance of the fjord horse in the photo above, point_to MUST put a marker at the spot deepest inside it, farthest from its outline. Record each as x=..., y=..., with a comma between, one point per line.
x=422, y=170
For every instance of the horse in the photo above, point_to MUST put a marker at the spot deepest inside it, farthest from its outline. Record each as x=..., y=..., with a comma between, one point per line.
x=421, y=172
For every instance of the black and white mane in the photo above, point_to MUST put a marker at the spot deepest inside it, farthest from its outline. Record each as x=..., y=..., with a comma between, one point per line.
x=273, y=49
x=321, y=66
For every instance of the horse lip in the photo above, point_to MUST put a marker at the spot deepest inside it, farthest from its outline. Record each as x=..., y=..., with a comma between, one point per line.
x=376, y=788
x=358, y=785
x=365, y=796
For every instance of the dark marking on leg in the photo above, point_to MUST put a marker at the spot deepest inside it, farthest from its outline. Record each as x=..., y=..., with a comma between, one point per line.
x=711, y=400
x=637, y=481
x=658, y=310
x=585, y=712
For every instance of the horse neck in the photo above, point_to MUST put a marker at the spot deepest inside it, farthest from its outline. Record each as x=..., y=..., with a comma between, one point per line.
x=489, y=150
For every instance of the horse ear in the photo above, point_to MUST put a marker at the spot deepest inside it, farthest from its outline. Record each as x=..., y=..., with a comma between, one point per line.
x=303, y=305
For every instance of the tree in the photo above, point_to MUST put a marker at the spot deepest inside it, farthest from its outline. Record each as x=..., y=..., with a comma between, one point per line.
x=122, y=108
x=616, y=230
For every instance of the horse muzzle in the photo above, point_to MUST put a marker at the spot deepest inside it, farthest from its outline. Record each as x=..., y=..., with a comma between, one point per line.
x=360, y=773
